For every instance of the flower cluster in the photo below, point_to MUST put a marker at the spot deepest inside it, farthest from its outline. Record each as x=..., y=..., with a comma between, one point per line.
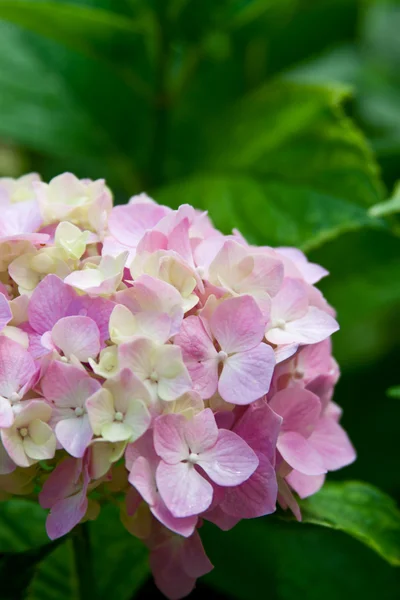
x=146, y=356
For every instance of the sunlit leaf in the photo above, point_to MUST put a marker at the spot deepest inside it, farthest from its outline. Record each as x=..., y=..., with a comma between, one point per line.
x=360, y=510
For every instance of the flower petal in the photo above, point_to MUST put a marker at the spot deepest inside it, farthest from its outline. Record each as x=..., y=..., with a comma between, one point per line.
x=77, y=336
x=169, y=438
x=184, y=491
x=238, y=324
x=74, y=435
x=299, y=454
x=246, y=376
x=230, y=461
x=201, y=432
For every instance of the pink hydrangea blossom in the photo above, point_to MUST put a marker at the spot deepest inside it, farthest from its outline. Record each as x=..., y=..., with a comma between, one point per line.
x=146, y=356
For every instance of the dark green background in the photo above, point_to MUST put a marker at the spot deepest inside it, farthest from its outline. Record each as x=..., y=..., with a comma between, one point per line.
x=198, y=105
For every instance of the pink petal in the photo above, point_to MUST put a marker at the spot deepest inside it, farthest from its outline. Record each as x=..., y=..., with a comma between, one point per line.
x=238, y=324
x=77, y=336
x=255, y=497
x=6, y=413
x=305, y=485
x=49, y=303
x=61, y=482
x=5, y=312
x=16, y=367
x=332, y=443
x=150, y=294
x=311, y=272
x=67, y=386
x=184, y=526
x=299, y=408
x=246, y=376
x=291, y=302
x=98, y=309
x=66, y=514
x=314, y=327
x=201, y=432
x=74, y=435
x=169, y=438
x=128, y=223
x=259, y=428
x=142, y=477
x=230, y=461
x=184, y=491
x=299, y=454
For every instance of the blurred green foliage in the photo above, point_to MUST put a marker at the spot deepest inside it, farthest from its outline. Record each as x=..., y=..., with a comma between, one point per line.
x=282, y=118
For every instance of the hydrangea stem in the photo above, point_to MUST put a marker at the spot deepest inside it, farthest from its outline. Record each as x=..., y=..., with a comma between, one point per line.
x=83, y=562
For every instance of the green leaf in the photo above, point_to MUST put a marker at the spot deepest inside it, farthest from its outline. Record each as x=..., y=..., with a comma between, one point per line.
x=119, y=563
x=88, y=30
x=22, y=525
x=120, y=560
x=285, y=165
x=389, y=207
x=18, y=569
x=55, y=572
x=394, y=392
x=360, y=510
x=268, y=212
x=281, y=561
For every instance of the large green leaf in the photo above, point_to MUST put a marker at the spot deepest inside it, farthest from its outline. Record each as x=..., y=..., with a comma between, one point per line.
x=268, y=212
x=119, y=564
x=22, y=525
x=360, y=510
x=87, y=29
x=282, y=561
x=120, y=560
x=285, y=166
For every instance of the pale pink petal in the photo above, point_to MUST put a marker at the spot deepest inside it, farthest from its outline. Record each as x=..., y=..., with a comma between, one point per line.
x=299, y=408
x=150, y=294
x=255, y=497
x=49, y=303
x=169, y=438
x=311, y=272
x=230, y=461
x=142, y=477
x=6, y=413
x=5, y=312
x=77, y=336
x=194, y=558
x=67, y=386
x=128, y=223
x=305, y=485
x=184, y=526
x=98, y=309
x=16, y=367
x=332, y=443
x=194, y=341
x=201, y=432
x=13, y=445
x=238, y=324
x=173, y=377
x=246, y=376
x=184, y=491
x=314, y=327
x=291, y=302
x=66, y=514
x=299, y=454
x=74, y=435
x=138, y=356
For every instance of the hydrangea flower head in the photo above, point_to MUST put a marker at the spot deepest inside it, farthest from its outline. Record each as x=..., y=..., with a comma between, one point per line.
x=145, y=354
